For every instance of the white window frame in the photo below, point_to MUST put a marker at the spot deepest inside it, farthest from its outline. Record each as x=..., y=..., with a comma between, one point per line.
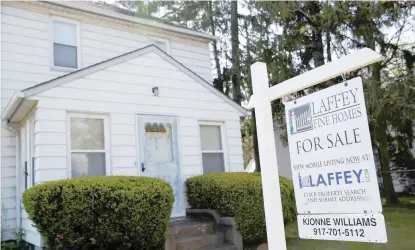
x=51, y=41
x=167, y=41
x=69, y=150
x=223, y=142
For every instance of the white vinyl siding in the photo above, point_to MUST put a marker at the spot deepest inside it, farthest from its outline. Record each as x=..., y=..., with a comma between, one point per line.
x=122, y=91
x=161, y=43
x=26, y=49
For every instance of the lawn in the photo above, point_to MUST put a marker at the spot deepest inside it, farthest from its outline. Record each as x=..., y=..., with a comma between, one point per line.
x=400, y=227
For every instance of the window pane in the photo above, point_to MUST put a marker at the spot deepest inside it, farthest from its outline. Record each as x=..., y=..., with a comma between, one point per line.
x=213, y=162
x=88, y=164
x=65, y=56
x=210, y=137
x=64, y=33
x=87, y=133
x=159, y=143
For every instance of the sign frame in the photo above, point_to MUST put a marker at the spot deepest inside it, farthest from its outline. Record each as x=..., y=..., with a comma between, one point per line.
x=261, y=101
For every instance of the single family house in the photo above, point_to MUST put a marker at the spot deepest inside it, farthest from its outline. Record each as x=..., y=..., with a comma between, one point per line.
x=88, y=90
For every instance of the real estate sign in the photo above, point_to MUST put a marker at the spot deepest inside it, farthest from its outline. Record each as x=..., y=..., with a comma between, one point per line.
x=332, y=161
x=343, y=227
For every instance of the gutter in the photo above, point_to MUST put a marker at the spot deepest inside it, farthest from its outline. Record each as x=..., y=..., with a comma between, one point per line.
x=115, y=15
x=8, y=113
x=12, y=106
x=18, y=174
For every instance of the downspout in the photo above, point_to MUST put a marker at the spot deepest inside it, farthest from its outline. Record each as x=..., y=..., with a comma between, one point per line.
x=18, y=175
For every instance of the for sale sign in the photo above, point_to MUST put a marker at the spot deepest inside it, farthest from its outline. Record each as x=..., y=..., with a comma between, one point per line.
x=331, y=151
x=332, y=157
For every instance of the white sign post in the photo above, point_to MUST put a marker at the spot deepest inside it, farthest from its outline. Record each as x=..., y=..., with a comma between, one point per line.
x=261, y=101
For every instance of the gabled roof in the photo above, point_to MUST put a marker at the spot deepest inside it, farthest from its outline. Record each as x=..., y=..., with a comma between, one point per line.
x=116, y=13
x=15, y=102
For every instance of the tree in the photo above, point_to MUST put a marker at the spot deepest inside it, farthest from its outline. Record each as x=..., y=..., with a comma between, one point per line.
x=294, y=37
x=386, y=96
x=236, y=88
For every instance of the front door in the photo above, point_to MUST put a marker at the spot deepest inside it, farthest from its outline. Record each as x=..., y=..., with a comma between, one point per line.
x=159, y=156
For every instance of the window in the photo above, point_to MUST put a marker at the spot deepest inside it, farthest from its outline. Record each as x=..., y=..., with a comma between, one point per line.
x=88, y=145
x=65, y=45
x=163, y=44
x=213, y=158
x=158, y=142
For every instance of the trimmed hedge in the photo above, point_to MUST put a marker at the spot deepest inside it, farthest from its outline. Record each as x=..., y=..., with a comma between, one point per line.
x=110, y=212
x=239, y=195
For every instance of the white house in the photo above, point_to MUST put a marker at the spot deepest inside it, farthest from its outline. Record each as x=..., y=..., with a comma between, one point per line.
x=85, y=91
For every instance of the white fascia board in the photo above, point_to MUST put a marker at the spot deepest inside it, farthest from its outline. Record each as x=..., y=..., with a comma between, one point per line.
x=12, y=106
x=142, y=21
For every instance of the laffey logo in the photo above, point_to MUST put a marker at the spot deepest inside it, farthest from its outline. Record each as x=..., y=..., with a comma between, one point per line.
x=300, y=119
x=334, y=178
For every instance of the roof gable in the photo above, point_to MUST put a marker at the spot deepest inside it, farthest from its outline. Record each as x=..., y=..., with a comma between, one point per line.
x=124, y=58
x=114, y=13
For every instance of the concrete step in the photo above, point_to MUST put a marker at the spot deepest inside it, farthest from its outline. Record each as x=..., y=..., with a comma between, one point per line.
x=200, y=241
x=221, y=247
x=185, y=228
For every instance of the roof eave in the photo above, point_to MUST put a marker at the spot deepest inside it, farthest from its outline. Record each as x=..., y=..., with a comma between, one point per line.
x=127, y=18
x=12, y=106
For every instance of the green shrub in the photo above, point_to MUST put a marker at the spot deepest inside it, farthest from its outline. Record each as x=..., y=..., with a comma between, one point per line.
x=18, y=244
x=110, y=212
x=239, y=195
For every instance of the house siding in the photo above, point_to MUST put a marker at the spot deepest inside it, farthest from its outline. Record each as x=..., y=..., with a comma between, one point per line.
x=180, y=96
x=122, y=92
x=25, y=61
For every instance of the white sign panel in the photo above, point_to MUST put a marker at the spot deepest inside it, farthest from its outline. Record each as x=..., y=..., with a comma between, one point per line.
x=331, y=152
x=343, y=227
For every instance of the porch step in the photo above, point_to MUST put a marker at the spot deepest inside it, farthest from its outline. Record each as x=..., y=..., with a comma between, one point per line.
x=185, y=228
x=221, y=247
x=212, y=241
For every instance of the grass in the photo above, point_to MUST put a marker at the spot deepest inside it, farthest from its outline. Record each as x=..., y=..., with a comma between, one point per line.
x=400, y=227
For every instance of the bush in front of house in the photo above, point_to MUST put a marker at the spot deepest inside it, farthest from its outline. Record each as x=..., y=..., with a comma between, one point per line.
x=109, y=212
x=239, y=195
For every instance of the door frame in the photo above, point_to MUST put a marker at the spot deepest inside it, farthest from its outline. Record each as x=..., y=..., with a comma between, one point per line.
x=27, y=153
x=179, y=155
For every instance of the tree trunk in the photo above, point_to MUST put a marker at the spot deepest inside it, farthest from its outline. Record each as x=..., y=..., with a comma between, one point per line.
x=388, y=189
x=380, y=125
x=236, y=88
x=318, y=51
x=380, y=134
x=249, y=84
x=255, y=142
x=317, y=36
x=380, y=129
x=219, y=79
x=328, y=46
